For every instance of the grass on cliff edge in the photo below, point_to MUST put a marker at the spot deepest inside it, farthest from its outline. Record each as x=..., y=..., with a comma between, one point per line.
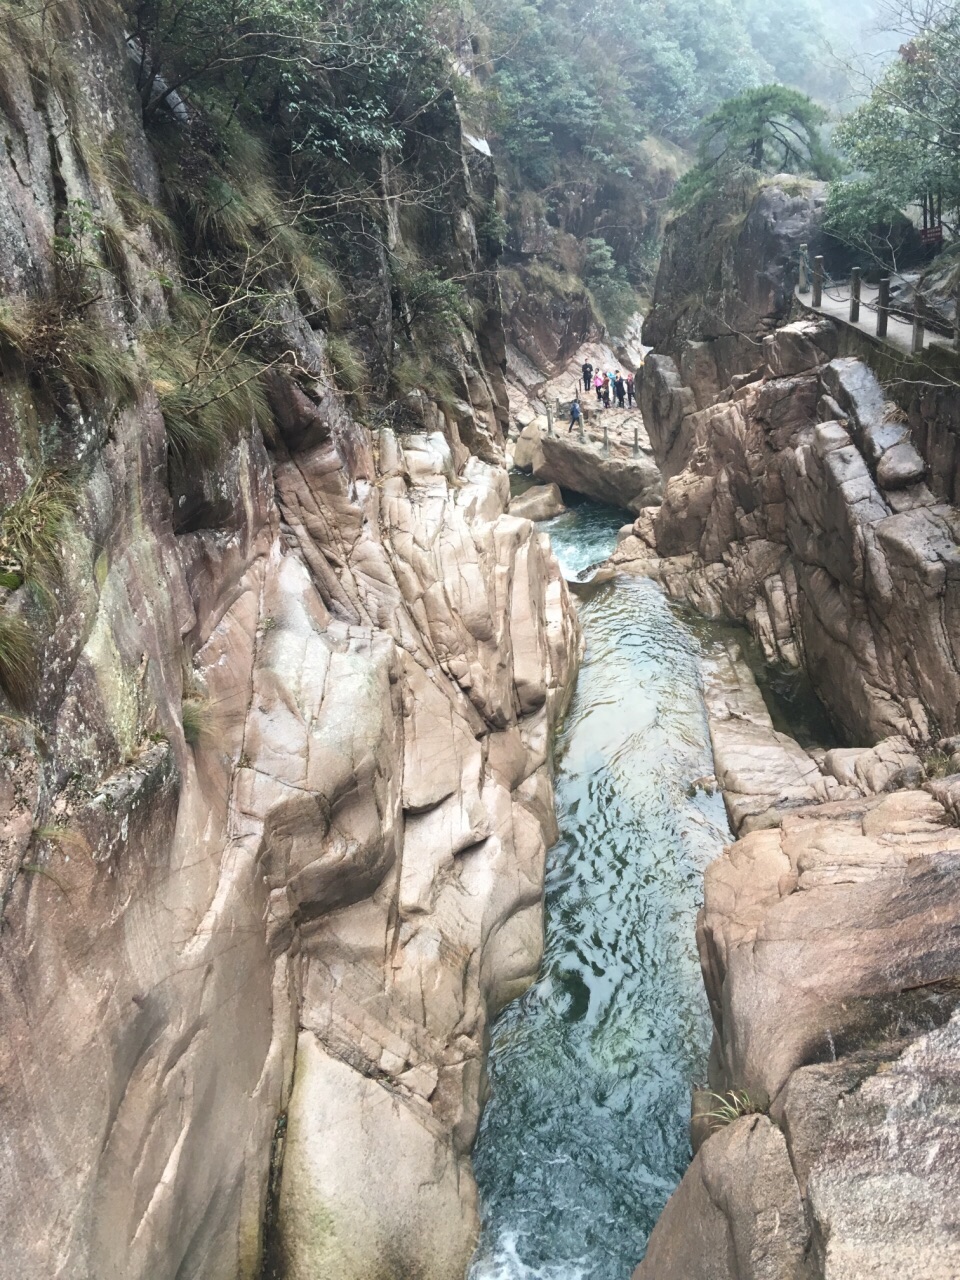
x=76, y=347
x=209, y=394
x=18, y=660
x=30, y=534
x=199, y=722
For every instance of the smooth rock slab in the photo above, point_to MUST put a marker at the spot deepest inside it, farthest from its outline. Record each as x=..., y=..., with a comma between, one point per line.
x=369, y=1193
x=736, y=1215
x=617, y=477
x=542, y=502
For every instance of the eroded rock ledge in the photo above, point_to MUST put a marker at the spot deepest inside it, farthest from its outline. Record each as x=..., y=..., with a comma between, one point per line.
x=829, y=946
x=799, y=504
x=830, y=955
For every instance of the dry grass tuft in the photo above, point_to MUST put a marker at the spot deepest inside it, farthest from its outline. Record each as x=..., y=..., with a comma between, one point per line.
x=18, y=661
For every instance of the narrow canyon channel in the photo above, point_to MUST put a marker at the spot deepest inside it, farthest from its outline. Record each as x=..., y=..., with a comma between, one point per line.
x=586, y=1133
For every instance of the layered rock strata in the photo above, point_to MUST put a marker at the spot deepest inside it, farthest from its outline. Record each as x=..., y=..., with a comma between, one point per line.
x=275, y=812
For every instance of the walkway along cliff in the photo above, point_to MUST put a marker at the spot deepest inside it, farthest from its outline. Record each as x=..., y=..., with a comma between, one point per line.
x=276, y=791
x=815, y=502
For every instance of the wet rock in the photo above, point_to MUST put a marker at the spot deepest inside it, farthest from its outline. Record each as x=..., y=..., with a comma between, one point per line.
x=542, y=502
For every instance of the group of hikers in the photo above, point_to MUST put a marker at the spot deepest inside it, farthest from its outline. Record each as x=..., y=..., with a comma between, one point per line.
x=608, y=385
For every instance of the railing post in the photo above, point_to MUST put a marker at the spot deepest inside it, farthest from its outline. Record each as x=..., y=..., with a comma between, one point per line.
x=804, y=278
x=883, y=307
x=606, y=437
x=549, y=420
x=817, y=298
x=856, y=277
x=636, y=442
x=917, y=347
x=581, y=429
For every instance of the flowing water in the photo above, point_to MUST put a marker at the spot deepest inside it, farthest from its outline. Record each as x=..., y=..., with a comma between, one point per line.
x=585, y=1136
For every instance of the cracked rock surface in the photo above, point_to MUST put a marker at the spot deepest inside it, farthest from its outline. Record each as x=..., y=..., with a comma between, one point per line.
x=289, y=933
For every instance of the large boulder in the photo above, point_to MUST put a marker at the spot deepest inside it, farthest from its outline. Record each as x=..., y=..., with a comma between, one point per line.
x=820, y=936
x=542, y=502
x=727, y=274
x=615, y=476
x=830, y=958
x=737, y=1214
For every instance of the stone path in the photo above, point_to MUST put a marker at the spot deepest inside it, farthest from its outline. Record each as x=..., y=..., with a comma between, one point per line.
x=612, y=461
x=624, y=426
x=836, y=305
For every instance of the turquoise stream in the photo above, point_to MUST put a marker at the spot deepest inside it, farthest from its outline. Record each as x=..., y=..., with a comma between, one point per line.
x=585, y=1136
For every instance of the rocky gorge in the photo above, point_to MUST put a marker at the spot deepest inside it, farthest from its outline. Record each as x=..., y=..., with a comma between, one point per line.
x=287, y=726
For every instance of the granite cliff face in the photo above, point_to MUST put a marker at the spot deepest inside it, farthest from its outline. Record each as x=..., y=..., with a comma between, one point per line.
x=814, y=505
x=817, y=506
x=216, y=951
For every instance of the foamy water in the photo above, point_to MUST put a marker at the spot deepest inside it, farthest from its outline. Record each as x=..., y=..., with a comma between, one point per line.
x=504, y=1263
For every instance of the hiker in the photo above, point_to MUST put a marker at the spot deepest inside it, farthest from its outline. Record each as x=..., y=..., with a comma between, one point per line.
x=630, y=390
x=598, y=387
x=587, y=372
x=606, y=391
x=619, y=388
x=574, y=415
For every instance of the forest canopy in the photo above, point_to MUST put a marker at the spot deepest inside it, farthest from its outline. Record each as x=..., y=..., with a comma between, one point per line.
x=903, y=143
